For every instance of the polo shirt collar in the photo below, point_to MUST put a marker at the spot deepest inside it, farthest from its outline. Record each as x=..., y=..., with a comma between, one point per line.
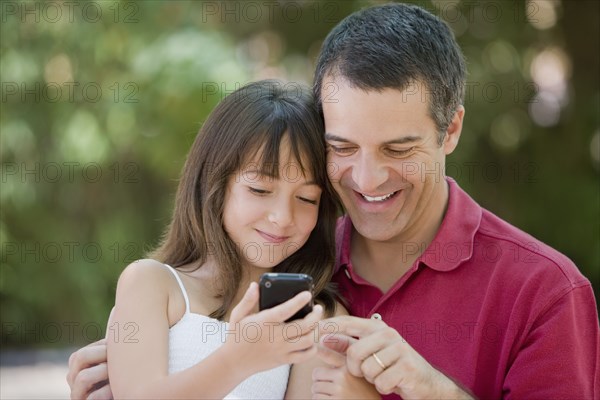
x=343, y=235
x=452, y=244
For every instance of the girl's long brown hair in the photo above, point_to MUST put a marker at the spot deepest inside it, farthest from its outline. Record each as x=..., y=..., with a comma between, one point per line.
x=252, y=119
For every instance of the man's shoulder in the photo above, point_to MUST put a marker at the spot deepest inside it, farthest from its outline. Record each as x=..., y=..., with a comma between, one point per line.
x=524, y=254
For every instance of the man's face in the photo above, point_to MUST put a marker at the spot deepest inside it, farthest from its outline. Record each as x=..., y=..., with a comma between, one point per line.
x=384, y=158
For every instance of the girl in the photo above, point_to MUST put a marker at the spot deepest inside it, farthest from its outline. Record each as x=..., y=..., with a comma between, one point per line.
x=253, y=198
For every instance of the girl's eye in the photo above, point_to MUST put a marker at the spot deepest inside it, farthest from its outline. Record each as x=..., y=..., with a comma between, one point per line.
x=304, y=199
x=258, y=191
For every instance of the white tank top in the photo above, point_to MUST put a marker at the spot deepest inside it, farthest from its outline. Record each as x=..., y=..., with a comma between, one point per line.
x=194, y=337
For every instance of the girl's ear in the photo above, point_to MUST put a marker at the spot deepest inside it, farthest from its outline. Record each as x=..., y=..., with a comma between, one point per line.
x=454, y=130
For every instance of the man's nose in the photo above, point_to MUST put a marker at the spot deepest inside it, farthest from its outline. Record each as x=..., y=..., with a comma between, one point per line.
x=369, y=173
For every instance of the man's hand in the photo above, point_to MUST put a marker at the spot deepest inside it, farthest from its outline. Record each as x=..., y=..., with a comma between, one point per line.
x=385, y=359
x=88, y=372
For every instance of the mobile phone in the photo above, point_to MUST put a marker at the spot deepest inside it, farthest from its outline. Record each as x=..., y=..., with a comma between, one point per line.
x=277, y=288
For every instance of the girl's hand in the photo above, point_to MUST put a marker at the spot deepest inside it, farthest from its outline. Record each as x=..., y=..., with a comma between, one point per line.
x=334, y=380
x=264, y=341
x=338, y=383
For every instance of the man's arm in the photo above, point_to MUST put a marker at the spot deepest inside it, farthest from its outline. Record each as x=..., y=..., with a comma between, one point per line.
x=559, y=356
x=385, y=359
x=88, y=372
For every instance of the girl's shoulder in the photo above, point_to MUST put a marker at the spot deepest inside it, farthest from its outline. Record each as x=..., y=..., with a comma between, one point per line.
x=145, y=271
x=145, y=275
x=154, y=282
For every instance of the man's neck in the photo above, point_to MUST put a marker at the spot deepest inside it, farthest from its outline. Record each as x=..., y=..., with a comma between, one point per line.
x=383, y=263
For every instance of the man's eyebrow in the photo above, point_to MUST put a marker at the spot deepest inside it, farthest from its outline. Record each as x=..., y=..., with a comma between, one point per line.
x=401, y=140
x=265, y=174
x=330, y=136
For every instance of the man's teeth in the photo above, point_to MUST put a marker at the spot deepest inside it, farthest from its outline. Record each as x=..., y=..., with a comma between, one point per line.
x=377, y=198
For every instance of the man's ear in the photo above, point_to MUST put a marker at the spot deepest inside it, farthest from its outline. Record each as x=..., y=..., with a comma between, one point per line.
x=454, y=130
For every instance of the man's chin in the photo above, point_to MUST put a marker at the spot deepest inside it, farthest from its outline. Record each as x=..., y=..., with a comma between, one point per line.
x=375, y=230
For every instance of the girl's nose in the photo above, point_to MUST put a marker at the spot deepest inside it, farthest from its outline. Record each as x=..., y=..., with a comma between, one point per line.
x=281, y=214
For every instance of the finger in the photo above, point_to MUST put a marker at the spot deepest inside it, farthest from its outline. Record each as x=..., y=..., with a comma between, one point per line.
x=388, y=356
x=93, y=353
x=330, y=357
x=286, y=310
x=333, y=347
x=386, y=343
x=356, y=356
x=387, y=381
x=246, y=304
x=322, y=374
x=87, y=378
x=337, y=342
x=352, y=326
x=322, y=388
x=302, y=343
x=361, y=361
x=300, y=356
x=102, y=393
x=306, y=325
x=360, y=352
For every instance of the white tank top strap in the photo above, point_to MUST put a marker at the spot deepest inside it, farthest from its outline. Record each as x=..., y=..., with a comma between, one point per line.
x=183, y=291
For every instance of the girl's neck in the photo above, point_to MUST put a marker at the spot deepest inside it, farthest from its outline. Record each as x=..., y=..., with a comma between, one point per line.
x=209, y=272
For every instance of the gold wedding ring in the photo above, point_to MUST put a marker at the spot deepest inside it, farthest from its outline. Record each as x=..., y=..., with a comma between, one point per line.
x=378, y=361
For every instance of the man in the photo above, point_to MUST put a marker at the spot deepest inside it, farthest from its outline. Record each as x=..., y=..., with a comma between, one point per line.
x=453, y=302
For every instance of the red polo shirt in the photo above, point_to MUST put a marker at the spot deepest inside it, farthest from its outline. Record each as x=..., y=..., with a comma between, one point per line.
x=490, y=306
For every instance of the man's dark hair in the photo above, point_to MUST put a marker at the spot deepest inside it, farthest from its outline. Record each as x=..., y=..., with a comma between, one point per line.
x=395, y=46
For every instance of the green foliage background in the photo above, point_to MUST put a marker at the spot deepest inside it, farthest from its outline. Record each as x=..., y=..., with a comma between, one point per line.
x=88, y=180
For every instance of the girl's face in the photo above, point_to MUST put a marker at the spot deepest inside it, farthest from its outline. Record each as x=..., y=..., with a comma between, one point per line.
x=270, y=218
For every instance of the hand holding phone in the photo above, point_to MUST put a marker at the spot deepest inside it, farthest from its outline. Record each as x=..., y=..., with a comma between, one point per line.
x=277, y=288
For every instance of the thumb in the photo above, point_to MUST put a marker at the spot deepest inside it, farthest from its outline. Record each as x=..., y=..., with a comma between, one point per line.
x=332, y=349
x=246, y=304
x=337, y=342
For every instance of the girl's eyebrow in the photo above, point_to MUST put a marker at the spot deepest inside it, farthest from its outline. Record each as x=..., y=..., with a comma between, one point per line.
x=266, y=174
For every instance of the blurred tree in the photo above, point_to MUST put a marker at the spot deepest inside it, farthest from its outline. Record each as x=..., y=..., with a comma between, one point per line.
x=101, y=101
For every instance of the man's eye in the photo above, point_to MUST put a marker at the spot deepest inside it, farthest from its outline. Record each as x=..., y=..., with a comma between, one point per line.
x=342, y=150
x=258, y=191
x=399, y=153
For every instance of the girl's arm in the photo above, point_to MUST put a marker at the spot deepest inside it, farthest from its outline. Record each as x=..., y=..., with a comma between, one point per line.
x=138, y=341
x=138, y=344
